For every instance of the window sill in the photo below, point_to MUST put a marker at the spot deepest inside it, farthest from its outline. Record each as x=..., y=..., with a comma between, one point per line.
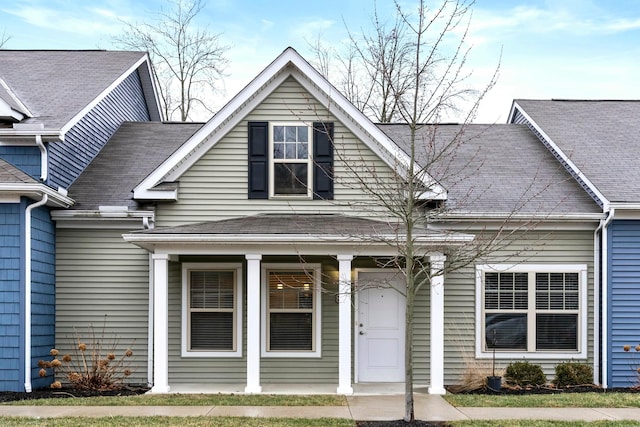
x=210, y=354
x=291, y=354
x=531, y=355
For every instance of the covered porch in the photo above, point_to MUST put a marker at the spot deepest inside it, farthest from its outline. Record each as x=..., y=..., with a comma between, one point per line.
x=336, y=252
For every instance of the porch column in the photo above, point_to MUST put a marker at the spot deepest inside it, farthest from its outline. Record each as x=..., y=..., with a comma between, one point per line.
x=344, y=325
x=437, y=260
x=160, y=323
x=253, y=323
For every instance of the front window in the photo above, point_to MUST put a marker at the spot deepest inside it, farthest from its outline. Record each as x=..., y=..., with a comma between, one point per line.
x=533, y=309
x=211, y=306
x=291, y=310
x=290, y=160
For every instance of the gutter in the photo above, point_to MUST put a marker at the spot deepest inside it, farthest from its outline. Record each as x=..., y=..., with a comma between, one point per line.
x=604, y=287
x=44, y=159
x=27, y=292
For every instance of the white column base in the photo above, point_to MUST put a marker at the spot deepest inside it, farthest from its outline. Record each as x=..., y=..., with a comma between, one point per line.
x=253, y=389
x=346, y=390
x=160, y=389
x=437, y=390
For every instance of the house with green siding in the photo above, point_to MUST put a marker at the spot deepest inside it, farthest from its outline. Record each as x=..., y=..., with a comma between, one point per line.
x=249, y=253
x=57, y=110
x=597, y=142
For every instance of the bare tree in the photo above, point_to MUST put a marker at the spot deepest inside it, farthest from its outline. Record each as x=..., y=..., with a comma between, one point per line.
x=415, y=74
x=4, y=38
x=188, y=61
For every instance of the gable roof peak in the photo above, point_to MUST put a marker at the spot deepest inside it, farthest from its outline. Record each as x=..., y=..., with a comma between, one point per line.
x=288, y=63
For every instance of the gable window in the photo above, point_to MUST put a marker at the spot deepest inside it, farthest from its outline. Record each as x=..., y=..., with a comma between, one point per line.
x=539, y=309
x=211, y=318
x=292, y=159
x=291, y=301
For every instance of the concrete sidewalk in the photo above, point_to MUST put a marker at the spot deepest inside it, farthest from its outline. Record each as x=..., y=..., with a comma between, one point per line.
x=372, y=408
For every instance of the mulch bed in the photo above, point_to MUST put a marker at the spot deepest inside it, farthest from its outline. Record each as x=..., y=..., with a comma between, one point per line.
x=65, y=393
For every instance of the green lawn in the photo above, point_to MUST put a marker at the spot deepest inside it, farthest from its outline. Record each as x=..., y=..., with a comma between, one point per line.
x=560, y=400
x=191, y=400
x=174, y=421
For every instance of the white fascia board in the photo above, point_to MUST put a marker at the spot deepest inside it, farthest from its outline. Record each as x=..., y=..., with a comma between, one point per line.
x=71, y=123
x=23, y=108
x=149, y=71
x=256, y=91
x=146, y=194
x=564, y=157
x=440, y=238
x=28, y=136
x=206, y=137
x=37, y=189
x=10, y=113
x=490, y=216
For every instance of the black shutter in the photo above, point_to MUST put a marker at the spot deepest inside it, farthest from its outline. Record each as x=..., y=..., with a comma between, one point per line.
x=258, y=160
x=323, y=160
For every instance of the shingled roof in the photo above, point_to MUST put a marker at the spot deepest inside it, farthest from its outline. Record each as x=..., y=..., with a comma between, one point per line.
x=10, y=174
x=134, y=151
x=495, y=169
x=602, y=139
x=56, y=85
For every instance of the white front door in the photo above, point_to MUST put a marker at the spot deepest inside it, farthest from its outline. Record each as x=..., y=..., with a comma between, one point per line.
x=380, y=327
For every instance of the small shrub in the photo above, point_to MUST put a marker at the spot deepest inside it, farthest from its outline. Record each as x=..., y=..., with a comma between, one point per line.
x=95, y=363
x=572, y=374
x=525, y=374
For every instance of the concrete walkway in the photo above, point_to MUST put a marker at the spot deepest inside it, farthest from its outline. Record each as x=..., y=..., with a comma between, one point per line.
x=374, y=408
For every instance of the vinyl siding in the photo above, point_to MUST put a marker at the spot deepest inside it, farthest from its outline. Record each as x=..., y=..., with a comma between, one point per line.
x=27, y=159
x=190, y=370
x=11, y=297
x=557, y=247
x=86, y=138
x=215, y=187
x=43, y=287
x=624, y=302
x=102, y=281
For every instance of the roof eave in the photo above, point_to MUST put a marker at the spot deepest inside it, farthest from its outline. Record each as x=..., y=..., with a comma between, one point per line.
x=34, y=190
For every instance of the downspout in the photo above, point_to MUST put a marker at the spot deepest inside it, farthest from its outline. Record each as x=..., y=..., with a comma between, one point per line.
x=602, y=254
x=44, y=159
x=27, y=291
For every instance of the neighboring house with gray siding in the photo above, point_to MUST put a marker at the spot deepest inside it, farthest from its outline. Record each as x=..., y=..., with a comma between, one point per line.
x=245, y=253
x=598, y=142
x=57, y=111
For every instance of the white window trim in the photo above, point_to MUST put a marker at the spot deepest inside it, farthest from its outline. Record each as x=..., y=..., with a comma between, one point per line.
x=238, y=301
x=309, y=163
x=581, y=269
x=317, y=309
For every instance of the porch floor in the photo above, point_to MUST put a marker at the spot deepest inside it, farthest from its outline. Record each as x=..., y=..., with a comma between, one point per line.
x=362, y=389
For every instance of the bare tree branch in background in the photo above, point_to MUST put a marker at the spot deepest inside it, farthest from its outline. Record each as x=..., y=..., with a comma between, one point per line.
x=188, y=61
x=4, y=38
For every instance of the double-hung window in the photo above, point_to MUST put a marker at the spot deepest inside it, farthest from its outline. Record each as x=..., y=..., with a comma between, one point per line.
x=291, y=302
x=290, y=160
x=539, y=309
x=211, y=315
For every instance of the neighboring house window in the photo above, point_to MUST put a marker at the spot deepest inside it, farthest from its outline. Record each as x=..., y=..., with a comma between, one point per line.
x=526, y=308
x=290, y=160
x=291, y=301
x=211, y=320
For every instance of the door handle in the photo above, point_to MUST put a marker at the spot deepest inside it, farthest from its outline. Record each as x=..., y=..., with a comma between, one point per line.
x=361, y=332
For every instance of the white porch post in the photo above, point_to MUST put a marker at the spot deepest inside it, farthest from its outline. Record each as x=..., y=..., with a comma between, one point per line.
x=437, y=260
x=344, y=322
x=253, y=323
x=160, y=323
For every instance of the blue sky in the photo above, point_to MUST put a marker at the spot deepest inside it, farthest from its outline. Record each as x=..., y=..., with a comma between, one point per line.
x=584, y=49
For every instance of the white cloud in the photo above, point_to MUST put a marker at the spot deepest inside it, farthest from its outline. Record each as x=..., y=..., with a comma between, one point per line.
x=63, y=20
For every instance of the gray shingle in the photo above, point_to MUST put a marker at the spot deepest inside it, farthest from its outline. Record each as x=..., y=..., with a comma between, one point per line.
x=56, y=85
x=602, y=138
x=134, y=151
x=495, y=169
x=9, y=174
